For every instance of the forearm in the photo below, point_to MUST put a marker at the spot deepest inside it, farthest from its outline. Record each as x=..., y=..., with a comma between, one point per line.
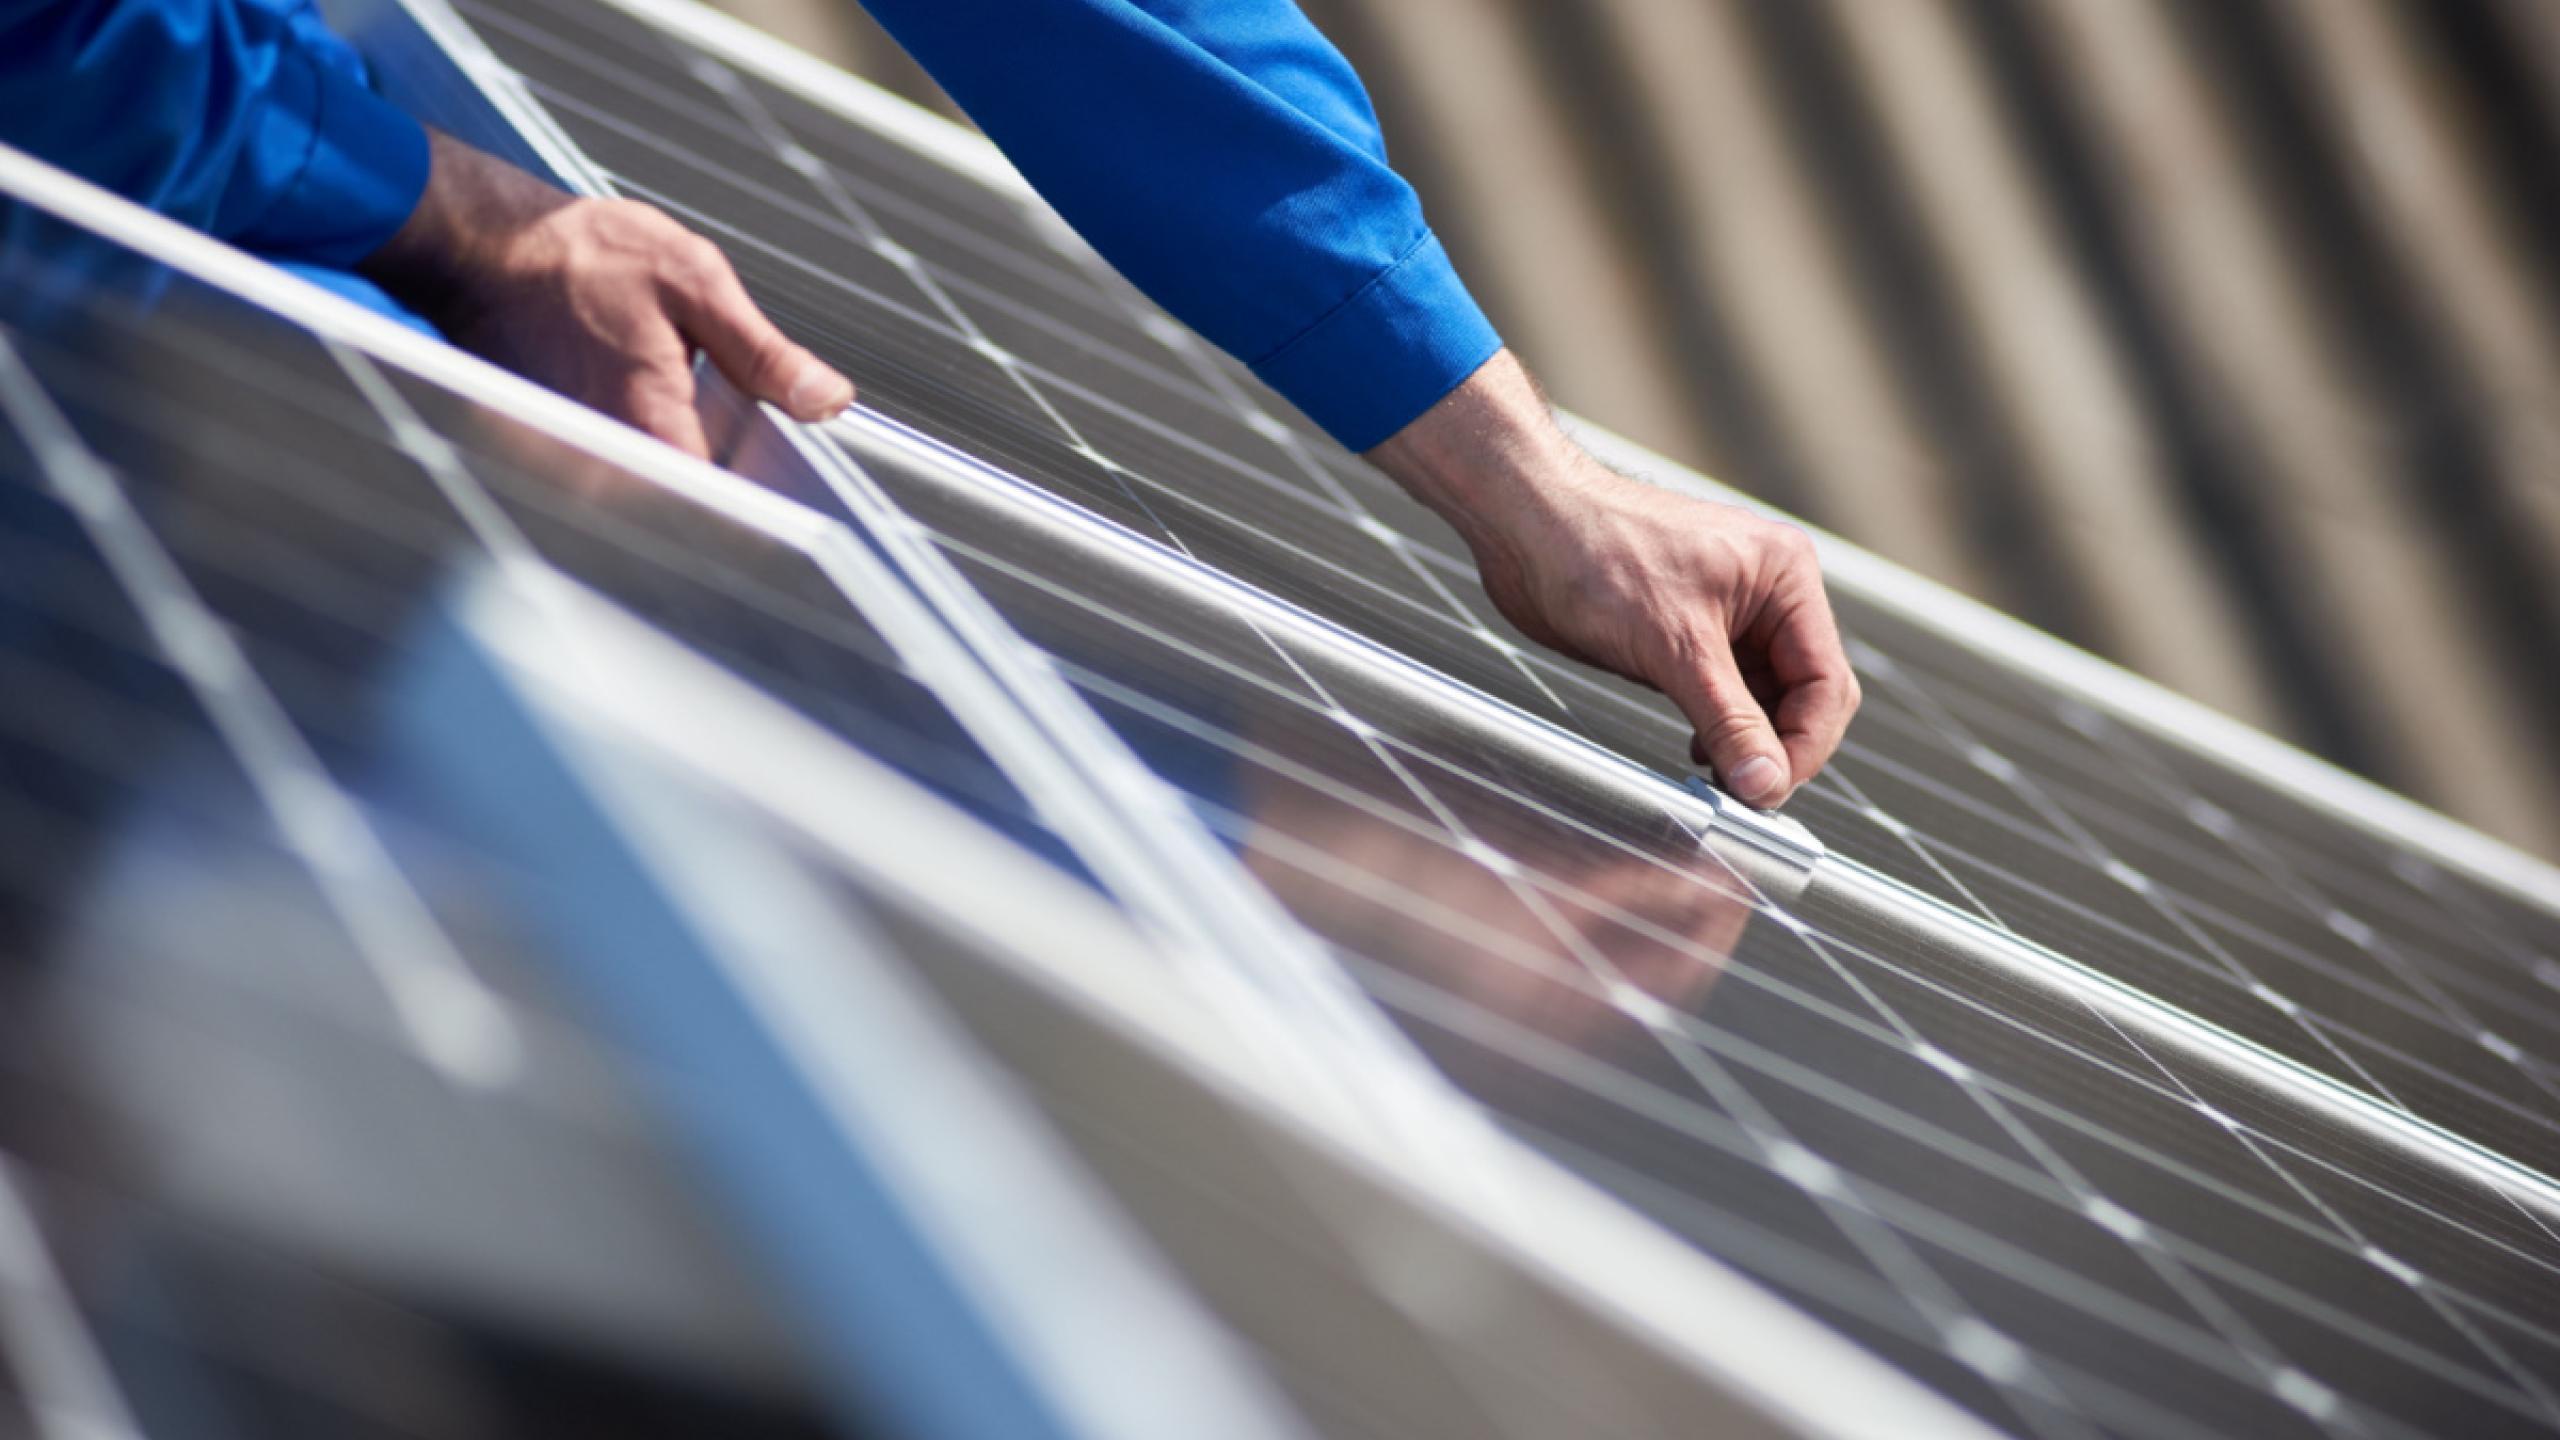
x=1223, y=157
x=473, y=203
x=239, y=119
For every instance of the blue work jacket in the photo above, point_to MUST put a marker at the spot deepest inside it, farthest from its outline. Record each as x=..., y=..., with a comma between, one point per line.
x=1221, y=153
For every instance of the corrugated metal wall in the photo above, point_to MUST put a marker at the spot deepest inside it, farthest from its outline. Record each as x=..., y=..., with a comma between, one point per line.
x=2219, y=336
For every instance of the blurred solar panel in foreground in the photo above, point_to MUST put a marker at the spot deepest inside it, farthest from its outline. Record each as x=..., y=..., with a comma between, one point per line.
x=1054, y=907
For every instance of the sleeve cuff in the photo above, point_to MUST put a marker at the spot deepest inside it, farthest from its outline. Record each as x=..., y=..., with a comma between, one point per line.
x=1388, y=353
x=364, y=169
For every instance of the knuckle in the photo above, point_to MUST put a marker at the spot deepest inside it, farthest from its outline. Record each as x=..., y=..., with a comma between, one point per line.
x=629, y=218
x=622, y=243
x=700, y=253
x=1732, y=731
x=1686, y=650
x=685, y=258
x=1720, y=551
x=1792, y=541
x=641, y=215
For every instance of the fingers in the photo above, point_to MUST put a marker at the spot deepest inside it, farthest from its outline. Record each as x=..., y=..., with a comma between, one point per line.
x=1773, y=700
x=1733, y=731
x=664, y=407
x=1818, y=693
x=713, y=310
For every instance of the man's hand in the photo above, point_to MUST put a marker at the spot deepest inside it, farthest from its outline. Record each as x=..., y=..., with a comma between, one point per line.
x=1717, y=608
x=604, y=301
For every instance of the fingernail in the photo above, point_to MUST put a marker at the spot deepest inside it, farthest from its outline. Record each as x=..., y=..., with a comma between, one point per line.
x=1756, y=779
x=819, y=394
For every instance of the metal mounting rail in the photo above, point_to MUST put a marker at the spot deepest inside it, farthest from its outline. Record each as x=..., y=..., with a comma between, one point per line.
x=1781, y=857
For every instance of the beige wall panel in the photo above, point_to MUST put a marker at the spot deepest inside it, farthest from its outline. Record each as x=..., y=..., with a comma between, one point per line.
x=2481, y=281
x=2452, y=726
x=2057, y=374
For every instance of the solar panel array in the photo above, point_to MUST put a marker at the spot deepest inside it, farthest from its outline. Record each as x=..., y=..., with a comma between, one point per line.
x=344, y=1092
x=2088, y=1077
x=1966, y=780
x=981, y=325
x=1924, y=1149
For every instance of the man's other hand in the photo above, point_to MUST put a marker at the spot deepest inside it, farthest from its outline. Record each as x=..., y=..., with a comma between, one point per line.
x=1717, y=608
x=604, y=301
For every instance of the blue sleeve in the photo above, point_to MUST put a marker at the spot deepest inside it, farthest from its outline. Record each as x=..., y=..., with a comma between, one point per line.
x=1223, y=155
x=244, y=118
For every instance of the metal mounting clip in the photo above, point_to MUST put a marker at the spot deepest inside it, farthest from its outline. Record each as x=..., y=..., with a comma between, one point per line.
x=1780, y=852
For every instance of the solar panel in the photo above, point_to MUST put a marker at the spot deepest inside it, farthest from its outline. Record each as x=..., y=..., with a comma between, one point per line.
x=301, y=1134
x=1925, y=1149
x=1194, y=459
x=771, y=996
x=312, y=497
x=894, y=274
x=2256, y=1092
x=2324, y=942
x=1237, y=1182
x=2088, y=1077
x=434, y=994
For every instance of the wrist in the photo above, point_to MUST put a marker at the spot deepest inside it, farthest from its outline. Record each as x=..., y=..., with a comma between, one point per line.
x=474, y=205
x=1488, y=453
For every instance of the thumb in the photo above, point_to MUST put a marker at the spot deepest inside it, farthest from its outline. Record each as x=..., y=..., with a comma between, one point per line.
x=1734, y=734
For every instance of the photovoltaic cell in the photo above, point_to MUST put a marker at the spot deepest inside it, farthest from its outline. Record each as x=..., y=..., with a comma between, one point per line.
x=968, y=317
x=862, y=283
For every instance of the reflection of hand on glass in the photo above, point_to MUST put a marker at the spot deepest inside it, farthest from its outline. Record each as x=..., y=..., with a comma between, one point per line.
x=1546, y=947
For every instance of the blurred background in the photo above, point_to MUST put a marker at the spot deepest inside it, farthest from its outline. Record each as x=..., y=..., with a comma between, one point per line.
x=2219, y=337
